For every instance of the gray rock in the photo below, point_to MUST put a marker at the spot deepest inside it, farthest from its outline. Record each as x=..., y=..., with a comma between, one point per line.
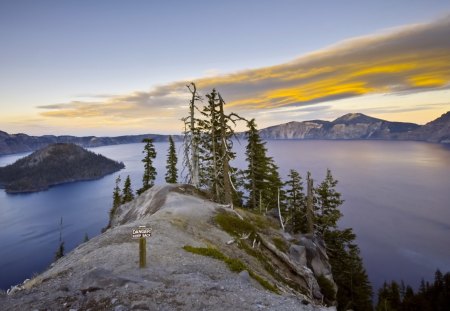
x=100, y=278
x=298, y=254
x=244, y=276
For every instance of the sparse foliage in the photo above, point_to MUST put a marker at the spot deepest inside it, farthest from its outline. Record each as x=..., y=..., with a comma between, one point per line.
x=149, y=176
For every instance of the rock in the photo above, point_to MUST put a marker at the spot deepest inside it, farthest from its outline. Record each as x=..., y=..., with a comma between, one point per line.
x=298, y=254
x=244, y=276
x=100, y=278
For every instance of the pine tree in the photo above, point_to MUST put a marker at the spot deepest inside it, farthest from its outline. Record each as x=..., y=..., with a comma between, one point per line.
x=171, y=167
x=262, y=180
x=328, y=202
x=117, y=197
x=127, y=193
x=216, y=175
x=296, y=202
x=149, y=176
x=60, y=251
x=354, y=289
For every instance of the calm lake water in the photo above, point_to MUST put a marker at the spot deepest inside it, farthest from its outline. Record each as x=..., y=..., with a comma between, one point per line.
x=397, y=200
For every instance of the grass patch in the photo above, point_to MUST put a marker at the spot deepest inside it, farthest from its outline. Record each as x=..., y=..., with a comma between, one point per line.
x=280, y=244
x=233, y=225
x=233, y=264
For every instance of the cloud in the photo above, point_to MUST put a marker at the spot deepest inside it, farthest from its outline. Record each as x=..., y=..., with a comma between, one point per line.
x=411, y=59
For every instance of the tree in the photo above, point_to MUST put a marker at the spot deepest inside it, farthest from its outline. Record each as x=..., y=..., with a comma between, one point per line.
x=328, y=202
x=192, y=140
x=60, y=251
x=127, y=192
x=171, y=167
x=257, y=171
x=149, y=176
x=117, y=197
x=216, y=175
x=117, y=201
x=262, y=181
x=296, y=201
x=354, y=289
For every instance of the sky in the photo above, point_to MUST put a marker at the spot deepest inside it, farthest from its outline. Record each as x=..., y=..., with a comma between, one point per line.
x=107, y=67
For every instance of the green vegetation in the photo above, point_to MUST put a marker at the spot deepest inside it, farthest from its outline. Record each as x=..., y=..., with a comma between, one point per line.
x=280, y=244
x=398, y=297
x=60, y=251
x=296, y=202
x=127, y=192
x=327, y=289
x=171, y=167
x=233, y=225
x=53, y=165
x=149, y=176
x=233, y=264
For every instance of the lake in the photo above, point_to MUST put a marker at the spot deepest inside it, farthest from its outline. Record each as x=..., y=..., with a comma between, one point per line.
x=396, y=195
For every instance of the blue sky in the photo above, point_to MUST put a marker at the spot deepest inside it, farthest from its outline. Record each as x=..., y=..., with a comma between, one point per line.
x=70, y=67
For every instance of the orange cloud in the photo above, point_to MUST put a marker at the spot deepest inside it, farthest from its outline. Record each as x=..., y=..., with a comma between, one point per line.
x=412, y=59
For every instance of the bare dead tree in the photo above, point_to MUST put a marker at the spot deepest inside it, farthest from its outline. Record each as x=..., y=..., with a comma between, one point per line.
x=191, y=140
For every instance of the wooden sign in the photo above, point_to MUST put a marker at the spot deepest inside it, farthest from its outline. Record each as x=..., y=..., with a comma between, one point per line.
x=141, y=232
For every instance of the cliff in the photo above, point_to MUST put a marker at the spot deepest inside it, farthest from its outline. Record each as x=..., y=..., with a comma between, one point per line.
x=437, y=131
x=55, y=164
x=349, y=126
x=201, y=256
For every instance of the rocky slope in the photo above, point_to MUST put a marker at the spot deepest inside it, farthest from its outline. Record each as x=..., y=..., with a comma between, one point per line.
x=16, y=143
x=349, y=126
x=53, y=165
x=437, y=131
x=103, y=273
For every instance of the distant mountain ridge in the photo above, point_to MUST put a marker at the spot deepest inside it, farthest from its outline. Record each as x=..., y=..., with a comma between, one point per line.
x=358, y=126
x=350, y=126
x=55, y=164
x=17, y=143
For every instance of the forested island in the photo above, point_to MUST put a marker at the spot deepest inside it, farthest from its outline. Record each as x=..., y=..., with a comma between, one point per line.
x=53, y=165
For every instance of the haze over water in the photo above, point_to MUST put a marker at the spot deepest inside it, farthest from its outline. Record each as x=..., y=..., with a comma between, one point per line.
x=396, y=200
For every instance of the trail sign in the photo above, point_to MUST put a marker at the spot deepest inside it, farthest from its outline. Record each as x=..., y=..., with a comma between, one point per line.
x=141, y=232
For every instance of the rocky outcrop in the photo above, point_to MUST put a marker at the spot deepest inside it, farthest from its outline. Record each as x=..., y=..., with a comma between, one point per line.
x=55, y=164
x=17, y=143
x=103, y=273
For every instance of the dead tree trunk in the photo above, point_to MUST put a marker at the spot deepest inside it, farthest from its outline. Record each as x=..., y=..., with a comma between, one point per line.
x=194, y=173
x=225, y=160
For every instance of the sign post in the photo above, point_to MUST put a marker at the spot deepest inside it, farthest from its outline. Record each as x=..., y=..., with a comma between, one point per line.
x=142, y=233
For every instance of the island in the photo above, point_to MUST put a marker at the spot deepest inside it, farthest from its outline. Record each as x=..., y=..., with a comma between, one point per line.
x=53, y=165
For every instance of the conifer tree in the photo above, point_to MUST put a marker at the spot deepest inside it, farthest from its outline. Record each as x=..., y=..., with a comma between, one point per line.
x=296, y=201
x=262, y=180
x=328, y=202
x=354, y=289
x=117, y=197
x=149, y=176
x=60, y=251
x=171, y=167
x=127, y=192
x=215, y=151
x=117, y=200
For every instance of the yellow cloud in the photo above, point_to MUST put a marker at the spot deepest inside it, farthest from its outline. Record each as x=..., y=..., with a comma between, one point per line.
x=412, y=59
